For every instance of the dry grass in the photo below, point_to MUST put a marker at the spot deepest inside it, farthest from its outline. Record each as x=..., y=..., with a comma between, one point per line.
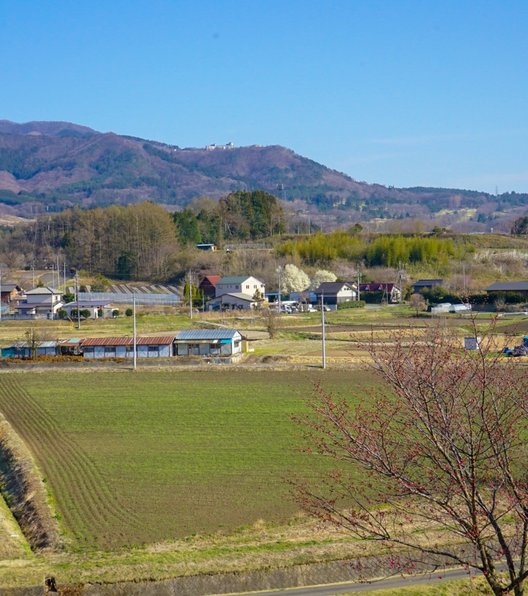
x=13, y=544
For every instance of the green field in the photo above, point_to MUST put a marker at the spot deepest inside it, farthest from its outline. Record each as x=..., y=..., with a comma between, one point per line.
x=143, y=457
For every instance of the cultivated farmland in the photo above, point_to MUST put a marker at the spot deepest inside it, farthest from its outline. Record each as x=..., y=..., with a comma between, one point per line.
x=141, y=457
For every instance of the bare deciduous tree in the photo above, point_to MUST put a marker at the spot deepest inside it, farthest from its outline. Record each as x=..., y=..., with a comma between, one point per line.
x=434, y=464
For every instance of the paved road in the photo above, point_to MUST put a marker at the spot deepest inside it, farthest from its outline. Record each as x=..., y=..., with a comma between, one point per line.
x=352, y=587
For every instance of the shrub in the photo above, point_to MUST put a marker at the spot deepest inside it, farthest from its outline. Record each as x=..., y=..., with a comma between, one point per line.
x=352, y=304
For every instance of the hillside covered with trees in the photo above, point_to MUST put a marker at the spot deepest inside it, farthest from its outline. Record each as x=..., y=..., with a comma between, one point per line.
x=51, y=166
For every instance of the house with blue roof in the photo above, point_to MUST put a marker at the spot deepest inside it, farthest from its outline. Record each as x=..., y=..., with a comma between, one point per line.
x=208, y=342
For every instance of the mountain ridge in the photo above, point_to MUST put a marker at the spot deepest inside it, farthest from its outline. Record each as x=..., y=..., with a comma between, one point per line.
x=54, y=165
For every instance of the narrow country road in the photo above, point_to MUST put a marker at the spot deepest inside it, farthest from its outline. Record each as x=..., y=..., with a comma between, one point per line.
x=353, y=587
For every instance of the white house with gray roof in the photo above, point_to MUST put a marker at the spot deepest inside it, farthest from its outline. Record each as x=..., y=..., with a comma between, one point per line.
x=240, y=284
x=40, y=302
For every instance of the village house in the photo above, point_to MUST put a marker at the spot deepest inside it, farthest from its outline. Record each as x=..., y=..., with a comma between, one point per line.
x=240, y=284
x=389, y=292
x=42, y=302
x=332, y=293
x=10, y=292
x=208, y=286
x=426, y=284
x=237, y=292
x=502, y=287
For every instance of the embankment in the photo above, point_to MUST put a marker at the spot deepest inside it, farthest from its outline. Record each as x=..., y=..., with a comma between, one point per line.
x=24, y=491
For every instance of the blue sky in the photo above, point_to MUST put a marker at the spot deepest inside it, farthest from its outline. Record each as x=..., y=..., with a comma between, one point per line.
x=399, y=92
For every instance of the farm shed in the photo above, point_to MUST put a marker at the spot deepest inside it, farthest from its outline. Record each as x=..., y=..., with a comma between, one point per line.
x=24, y=349
x=208, y=342
x=233, y=302
x=69, y=347
x=96, y=308
x=123, y=347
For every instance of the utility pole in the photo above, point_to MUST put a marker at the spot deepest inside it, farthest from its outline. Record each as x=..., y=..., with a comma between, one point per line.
x=135, y=330
x=323, y=332
x=1, y=303
x=358, y=282
x=279, y=297
x=190, y=294
x=78, y=307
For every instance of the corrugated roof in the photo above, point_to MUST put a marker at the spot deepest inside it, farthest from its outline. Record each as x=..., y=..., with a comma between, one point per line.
x=42, y=344
x=160, y=340
x=107, y=341
x=204, y=334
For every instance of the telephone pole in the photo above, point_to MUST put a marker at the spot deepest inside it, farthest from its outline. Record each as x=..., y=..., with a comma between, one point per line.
x=323, y=332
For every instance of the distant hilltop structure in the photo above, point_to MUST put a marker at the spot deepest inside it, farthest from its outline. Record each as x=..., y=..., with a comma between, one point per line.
x=215, y=147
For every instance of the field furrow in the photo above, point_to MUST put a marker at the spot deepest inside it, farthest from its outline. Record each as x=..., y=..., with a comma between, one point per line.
x=77, y=483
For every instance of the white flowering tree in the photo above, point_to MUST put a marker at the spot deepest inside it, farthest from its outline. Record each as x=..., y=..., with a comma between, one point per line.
x=294, y=279
x=321, y=276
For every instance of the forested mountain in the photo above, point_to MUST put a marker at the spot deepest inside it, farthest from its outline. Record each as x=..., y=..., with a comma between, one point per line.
x=49, y=166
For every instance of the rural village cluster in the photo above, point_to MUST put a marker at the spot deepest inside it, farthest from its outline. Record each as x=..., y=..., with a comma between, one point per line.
x=228, y=293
